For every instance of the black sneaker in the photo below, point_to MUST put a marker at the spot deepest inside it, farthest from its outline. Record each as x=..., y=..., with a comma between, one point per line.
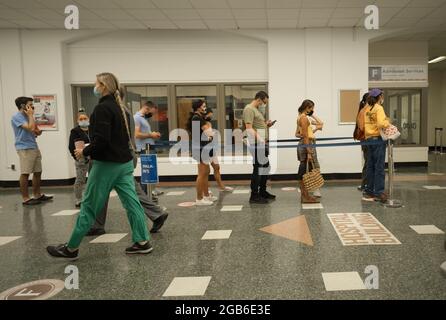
x=31, y=202
x=267, y=195
x=158, y=223
x=61, y=251
x=139, y=249
x=256, y=199
x=44, y=198
x=95, y=232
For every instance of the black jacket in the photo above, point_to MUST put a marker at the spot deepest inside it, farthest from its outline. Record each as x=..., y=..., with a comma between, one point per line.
x=108, y=134
x=77, y=134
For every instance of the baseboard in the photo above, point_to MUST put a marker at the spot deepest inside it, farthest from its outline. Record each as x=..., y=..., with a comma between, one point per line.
x=44, y=183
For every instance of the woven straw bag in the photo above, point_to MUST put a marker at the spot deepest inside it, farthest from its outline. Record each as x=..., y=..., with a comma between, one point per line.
x=313, y=179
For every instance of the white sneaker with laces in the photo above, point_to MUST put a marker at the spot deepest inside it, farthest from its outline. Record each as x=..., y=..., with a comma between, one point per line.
x=203, y=202
x=227, y=189
x=317, y=193
x=211, y=198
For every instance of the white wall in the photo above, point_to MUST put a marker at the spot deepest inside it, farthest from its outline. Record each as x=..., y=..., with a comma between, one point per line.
x=297, y=64
x=436, y=105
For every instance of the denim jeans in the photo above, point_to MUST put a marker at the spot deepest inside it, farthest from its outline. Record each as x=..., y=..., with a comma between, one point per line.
x=376, y=176
x=261, y=168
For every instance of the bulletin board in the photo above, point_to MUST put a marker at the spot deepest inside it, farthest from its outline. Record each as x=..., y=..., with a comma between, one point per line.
x=348, y=105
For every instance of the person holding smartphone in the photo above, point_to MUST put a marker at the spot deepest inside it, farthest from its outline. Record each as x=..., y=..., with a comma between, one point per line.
x=257, y=132
x=26, y=132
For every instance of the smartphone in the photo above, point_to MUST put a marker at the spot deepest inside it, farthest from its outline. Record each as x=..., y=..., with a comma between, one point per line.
x=274, y=122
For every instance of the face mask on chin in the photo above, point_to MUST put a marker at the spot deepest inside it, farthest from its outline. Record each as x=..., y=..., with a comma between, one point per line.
x=310, y=113
x=148, y=115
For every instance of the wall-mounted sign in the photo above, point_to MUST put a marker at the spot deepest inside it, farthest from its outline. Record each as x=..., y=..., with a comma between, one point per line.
x=398, y=73
x=45, y=111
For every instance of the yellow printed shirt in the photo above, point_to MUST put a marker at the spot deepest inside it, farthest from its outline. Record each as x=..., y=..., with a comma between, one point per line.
x=375, y=120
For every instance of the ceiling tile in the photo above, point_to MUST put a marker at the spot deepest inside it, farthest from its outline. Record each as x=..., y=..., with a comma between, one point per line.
x=343, y=13
x=285, y=14
x=438, y=13
x=172, y=4
x=426, y=3
x=59, y=24
x=220, y=14
x=252, y=24
x=221, y=24
x=343, y=23
x=12, y=14
x=282, y=24
x=112, y=14
x=147, y=14
x=283, y=4
x=247, y=4
x=95, y=24
x=128, y=24
x=319, y=3
x=56, y=4
x=97, y=4
x=135, y=4
x=414, y=12
x=22, y=4
x=182, y=14
x=313, y=23
x=250, y=14
x=191, y=24
x=392, y=3
x=209, y=4
x=354, y=4
x=401, y=23
x=430, y=22
x=316, y=13
x=86, y=14
x=160, y=24
x=7, y=25
x=43, y=14
x=32, y=24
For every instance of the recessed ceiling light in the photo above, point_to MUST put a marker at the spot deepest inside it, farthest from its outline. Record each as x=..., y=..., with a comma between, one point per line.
x=438, y=59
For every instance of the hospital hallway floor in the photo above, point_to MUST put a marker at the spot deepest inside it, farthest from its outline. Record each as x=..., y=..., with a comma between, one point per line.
x=343, y=248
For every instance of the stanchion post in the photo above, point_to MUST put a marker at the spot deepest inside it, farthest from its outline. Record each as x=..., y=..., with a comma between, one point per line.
x=391, y=202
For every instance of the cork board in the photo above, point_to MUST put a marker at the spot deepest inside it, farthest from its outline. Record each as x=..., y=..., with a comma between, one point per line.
x=348, y=105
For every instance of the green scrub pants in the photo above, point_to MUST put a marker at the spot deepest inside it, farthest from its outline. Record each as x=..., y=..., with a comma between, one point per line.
x=103, y=177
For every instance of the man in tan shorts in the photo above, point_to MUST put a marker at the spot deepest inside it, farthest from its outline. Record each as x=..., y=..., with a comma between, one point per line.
x=25, y=132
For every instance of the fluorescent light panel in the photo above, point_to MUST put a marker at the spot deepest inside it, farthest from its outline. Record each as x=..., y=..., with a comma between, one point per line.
x=438, y=59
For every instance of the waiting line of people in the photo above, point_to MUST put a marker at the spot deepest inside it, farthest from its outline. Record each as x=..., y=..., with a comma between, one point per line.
x=107, y=151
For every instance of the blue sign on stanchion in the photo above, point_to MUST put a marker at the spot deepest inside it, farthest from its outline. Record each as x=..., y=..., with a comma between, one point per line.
x=149, y=169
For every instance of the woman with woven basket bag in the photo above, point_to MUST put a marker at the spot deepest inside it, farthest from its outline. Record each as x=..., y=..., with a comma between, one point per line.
x=306, y=154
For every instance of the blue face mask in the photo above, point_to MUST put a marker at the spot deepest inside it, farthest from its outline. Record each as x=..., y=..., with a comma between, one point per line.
x=97, y=93
x=84, y=123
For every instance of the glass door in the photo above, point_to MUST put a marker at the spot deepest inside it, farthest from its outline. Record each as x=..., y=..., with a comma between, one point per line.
x=403, y=108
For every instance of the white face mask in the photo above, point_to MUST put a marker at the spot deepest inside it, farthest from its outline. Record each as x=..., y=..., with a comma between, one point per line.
x=262, y=108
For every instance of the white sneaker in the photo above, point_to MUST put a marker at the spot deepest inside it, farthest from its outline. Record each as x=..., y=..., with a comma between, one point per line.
x=227, y=189
x=211, y=198
x=317, y=193
x=203, y=202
